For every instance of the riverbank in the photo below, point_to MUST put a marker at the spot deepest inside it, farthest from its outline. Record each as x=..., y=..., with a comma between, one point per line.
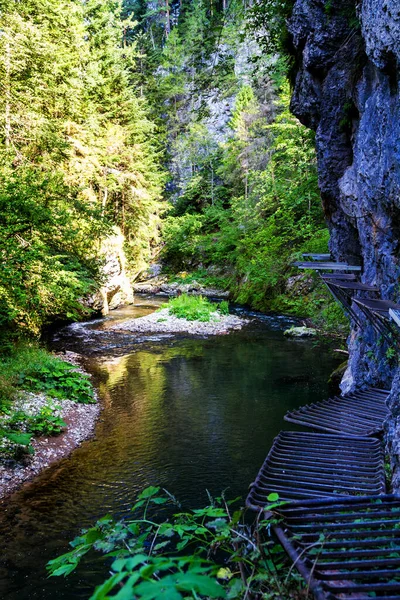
x=162, y=321
x=161, y=286
x=79, y=420
x=303, y=296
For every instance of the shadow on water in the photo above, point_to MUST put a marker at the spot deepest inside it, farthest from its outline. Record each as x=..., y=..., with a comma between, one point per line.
x=189, y=414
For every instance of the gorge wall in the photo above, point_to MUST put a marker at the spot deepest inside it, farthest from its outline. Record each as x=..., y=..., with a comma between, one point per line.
x=347, y=89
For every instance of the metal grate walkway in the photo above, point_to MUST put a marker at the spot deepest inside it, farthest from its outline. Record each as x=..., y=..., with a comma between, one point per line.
x=312, y=465
x=359, y=414
x=345, y=549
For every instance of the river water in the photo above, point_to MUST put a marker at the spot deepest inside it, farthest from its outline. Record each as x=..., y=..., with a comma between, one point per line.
x=189, y=414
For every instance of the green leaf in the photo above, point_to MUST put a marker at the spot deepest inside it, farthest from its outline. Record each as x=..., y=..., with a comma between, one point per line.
x=148, y=492
x=102, y=590
x=201, y=584
x=19, y=438
x=273, y=497
x=129, y=563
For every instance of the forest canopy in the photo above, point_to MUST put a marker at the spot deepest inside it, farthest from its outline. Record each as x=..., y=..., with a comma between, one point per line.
x=168, y=120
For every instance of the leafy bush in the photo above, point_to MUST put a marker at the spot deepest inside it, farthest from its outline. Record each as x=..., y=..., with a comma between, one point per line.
x=212, y=277
x=202, y=553
x=193, y=308
x=47, y=421
x=271, y=214
x=30, y=368
x=34, y=369
x=14, y=444
x=61, y=382
x=51, y=262
x=223, y=307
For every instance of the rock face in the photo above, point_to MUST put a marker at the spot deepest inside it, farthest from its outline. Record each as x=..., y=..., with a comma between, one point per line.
x=347, y=90
x=117, y=288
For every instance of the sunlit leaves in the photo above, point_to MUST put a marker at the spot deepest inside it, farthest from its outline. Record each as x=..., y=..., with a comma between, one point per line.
x=193, y=554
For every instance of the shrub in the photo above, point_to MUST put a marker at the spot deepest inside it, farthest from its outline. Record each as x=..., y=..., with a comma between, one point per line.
x=204, y=553
x=34, y=369
x=223, y=307
x=63, y=381
x=192, y=308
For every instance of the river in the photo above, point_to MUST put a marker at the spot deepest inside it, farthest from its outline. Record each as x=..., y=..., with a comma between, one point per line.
x=189, y=414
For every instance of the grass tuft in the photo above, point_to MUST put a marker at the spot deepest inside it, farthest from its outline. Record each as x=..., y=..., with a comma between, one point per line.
x=196, y=308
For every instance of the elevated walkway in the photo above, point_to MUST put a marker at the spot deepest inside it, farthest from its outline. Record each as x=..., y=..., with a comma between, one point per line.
x=359, y=414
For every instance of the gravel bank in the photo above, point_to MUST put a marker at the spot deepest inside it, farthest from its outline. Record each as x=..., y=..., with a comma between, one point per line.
x=162, y=322
x=80, y=420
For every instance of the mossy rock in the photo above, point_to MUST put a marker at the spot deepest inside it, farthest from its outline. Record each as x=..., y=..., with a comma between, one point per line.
x=300, y=332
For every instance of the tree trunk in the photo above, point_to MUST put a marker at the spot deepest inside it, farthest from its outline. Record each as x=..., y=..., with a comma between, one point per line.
x=104, y=201
x=7, y=125
x=167, y=19
x=212, y=185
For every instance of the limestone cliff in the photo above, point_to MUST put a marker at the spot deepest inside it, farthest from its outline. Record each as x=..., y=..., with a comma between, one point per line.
x=347, y=89
x=117, y=287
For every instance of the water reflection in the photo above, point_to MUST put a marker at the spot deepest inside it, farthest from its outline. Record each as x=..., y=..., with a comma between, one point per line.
x=187, y=414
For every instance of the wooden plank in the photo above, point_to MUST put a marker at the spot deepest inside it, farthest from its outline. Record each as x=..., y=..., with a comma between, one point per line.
x=332, y=266
x=317, y=256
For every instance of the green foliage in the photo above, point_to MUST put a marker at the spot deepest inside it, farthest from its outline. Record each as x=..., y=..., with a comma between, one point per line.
x=46, y=422
x=273, y=214
x=62, y=381
x=206, y=277
x=223, y=307
x=47, y=262
x=195, y=308
x=32, y=368
x=77, y=155
x=202, y=553
x=267, y=22
x=14, y=445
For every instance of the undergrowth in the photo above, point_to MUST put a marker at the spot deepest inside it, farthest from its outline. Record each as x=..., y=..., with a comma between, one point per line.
x=203, y=553
x=30, y=368
x=196, y=308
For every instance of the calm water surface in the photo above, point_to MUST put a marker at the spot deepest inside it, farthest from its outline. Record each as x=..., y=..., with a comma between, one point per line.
x=188, y=414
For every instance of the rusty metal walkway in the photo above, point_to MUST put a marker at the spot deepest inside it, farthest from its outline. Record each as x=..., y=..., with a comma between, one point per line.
x=313, y=465
x=339, y=528
x=359, y=414
x=345, y=549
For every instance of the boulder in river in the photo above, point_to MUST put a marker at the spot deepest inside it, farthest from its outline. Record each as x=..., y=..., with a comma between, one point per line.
x=300, y=332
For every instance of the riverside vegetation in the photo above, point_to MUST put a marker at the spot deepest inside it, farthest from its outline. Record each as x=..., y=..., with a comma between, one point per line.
x=118, y=114
x=28, y=372
x=203, y=553
x=196, y=308
x=171, y=123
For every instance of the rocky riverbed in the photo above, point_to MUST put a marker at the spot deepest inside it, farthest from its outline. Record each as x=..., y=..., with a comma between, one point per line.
x=162, y=321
